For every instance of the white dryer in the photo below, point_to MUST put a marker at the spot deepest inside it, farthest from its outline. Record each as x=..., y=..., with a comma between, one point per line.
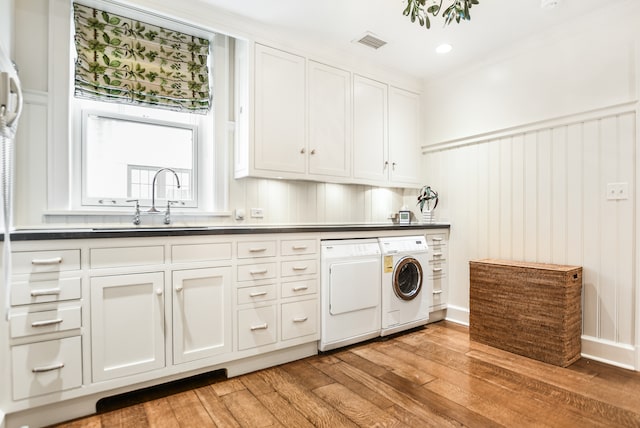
x=350, y=292
x=406, y=293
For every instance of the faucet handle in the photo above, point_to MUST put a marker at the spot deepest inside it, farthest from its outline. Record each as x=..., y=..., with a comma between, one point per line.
x=167, y=214
x=136, y=215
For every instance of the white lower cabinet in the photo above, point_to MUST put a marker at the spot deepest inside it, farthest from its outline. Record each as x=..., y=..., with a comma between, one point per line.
x=93, y=316
x=201, y=313
x=127, y=324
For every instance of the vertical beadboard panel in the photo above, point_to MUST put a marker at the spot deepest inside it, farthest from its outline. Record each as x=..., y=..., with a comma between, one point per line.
x=493, y=190
x=625, y=216
x=531, y=199
x=545, y=179
x=591, y=223
x=480, y=188
x=517, y=197
x=473, y=157
x=575, y=189
x=29, y=194
x=558, y=195
x=608, y=229
x=540, y=195
x=505, y=198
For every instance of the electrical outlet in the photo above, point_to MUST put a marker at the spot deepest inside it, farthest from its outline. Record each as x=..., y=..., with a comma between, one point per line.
x=617, y=191
x=257, y=212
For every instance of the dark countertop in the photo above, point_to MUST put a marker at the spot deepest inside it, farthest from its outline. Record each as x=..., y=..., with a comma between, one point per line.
x=139, y=232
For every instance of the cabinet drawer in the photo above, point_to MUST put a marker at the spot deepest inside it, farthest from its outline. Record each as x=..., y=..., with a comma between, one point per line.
x=437, y=269
x=439, y=297
x=45, y=261
x=436, y=238
x=256, y=294
x=247, y=250
x=27, y=292
x=299, y=319
x=298, y=246
x=299, y=288
x=201, y=252
x=46, y=367
x=126, y=256
x=299, y=267
x=256, y=327
x=30, y=323
x=437, y=253
x=256, y=271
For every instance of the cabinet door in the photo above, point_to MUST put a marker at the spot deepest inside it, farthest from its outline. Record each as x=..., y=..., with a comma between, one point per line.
x=201, y=313
x=329, y=120
x=404, y=137
x=127, y=324
x=279, y=111
x=370, y=149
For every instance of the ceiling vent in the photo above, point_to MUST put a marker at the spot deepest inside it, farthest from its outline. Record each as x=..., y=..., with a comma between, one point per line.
x=370, y=40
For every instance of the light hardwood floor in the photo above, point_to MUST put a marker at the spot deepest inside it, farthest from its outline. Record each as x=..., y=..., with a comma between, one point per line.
x=431, y=377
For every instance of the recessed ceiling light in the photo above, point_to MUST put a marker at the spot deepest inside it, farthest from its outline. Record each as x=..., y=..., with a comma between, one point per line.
x=444, y=48
x=549, y=4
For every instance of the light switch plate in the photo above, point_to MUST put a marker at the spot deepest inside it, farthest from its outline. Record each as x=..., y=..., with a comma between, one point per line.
x=617, y=191
x=257, y=212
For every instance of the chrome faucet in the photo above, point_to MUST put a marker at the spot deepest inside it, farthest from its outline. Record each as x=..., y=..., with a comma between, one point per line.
x=153, y=188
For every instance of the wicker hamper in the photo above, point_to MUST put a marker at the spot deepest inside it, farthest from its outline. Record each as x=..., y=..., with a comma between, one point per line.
x=529, y=309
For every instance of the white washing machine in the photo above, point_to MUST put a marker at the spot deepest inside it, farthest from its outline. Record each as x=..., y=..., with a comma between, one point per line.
x=350, y=292
x=406, y=293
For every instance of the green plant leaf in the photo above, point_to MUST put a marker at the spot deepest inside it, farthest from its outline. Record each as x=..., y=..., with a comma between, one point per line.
x=114, y=20
x=115, y=63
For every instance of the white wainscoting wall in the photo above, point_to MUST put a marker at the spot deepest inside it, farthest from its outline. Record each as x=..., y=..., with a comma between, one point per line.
x=538, y=193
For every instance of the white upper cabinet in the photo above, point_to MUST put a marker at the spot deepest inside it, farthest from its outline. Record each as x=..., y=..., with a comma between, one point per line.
x=404, y=137
x=370, y=143
x=314, y=121
x=279, y=111
x=329, y=120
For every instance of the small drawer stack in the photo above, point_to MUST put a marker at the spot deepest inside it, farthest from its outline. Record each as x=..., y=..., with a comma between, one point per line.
x=45, y=321
x=529, y=309
x=276, y=292
x=438, y=267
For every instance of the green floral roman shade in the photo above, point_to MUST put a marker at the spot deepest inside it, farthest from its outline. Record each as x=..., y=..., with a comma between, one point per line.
x=127, y=61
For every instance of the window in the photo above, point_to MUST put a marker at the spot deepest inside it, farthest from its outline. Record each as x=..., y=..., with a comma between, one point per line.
x=141, y=105
x=130, y=151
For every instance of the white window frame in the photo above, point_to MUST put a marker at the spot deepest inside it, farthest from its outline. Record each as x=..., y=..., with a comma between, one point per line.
x=64, y=159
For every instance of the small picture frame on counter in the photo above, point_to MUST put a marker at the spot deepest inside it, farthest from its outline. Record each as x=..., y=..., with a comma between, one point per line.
x=404, y=217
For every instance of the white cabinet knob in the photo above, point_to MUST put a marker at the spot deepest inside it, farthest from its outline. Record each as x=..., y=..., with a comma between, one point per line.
x=159, y=291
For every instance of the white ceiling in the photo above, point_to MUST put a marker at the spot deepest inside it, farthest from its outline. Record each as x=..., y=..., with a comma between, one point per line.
x=495, y=25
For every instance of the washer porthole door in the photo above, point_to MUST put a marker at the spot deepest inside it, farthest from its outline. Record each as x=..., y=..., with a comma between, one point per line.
x=407, y=278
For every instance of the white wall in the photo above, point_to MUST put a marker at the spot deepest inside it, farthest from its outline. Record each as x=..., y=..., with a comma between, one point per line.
x=522, y=172
x=6, y=26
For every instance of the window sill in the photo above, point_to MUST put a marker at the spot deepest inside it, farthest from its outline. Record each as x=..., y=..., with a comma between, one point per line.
x=119, y=213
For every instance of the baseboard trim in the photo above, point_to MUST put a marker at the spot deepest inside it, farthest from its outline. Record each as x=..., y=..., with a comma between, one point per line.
x=608, y=352
x=458, y=315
